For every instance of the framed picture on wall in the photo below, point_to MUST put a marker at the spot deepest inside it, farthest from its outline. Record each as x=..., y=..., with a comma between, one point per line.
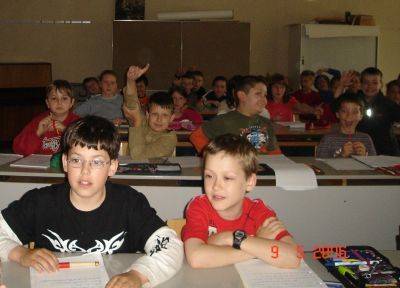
x=129, y=9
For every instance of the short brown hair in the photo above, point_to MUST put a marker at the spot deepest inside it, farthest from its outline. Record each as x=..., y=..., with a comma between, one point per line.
x=162, y=99
x=235, y=146
x=245, y=84
x=59, y=85
x=93, y=132
x=107, y=72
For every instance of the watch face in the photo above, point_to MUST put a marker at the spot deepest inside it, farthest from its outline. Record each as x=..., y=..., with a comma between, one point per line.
x=239, y=233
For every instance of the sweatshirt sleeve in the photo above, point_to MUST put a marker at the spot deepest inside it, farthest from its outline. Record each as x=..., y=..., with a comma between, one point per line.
x=27, y=142
x=163, y=259
x=8, y=239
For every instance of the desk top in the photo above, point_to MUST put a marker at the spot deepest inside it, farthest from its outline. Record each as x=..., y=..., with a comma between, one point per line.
x=194, y=173
x=227, y=277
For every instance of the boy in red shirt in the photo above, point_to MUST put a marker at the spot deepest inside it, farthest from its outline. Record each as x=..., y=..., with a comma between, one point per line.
x=224, y=225
x=43, y=134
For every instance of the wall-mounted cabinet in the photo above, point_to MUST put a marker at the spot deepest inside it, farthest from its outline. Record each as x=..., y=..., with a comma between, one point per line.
x=343, y=47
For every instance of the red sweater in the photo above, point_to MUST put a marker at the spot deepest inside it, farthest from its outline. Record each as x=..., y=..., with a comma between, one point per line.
x=27, y=142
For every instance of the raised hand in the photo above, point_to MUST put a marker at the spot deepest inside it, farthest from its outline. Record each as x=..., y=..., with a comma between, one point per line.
x=134, y=72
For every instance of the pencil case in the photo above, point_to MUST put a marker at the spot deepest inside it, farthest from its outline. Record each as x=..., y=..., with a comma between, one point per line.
x=362, y=267
x=150, y=169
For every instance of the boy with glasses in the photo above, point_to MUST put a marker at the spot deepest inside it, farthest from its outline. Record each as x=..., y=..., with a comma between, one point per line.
x=90, y=214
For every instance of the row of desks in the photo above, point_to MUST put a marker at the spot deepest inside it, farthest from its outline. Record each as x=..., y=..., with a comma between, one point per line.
x=347, y=207
x=227, y=277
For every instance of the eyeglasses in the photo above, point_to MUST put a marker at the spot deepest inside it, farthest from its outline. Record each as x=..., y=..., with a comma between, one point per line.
x=94, y=164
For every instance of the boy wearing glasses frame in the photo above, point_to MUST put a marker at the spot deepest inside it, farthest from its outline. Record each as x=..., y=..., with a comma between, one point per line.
x=90, y=214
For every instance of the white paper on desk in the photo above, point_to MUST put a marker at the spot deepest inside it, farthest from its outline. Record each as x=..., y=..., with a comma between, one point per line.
x=186, y=161
x=93, y=277
x=7, y=158
x=293, y=125
x=378, y=161
x=256, y=274
x=33, y=161
x=270, y=160
x=345, y=164
x=295, y=176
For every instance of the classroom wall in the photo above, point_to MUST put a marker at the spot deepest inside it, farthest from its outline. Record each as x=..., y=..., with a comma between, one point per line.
x=76, y=51
x=269, y=20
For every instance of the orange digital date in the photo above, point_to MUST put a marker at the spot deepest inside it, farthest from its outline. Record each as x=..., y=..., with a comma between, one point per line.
x=319, y=252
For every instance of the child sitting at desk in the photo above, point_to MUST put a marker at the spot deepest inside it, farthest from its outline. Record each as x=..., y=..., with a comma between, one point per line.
x=347, y=141
x=149, y=136
x=380, y=113
x=250, y=94
x=184, y=117
x=90, y=214
x=281, y=105
x=43, y=134
x=223, y=226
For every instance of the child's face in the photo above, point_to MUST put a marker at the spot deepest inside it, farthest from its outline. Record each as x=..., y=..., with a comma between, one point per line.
x=349, y=115
x=187, y=84
x=59, y=103
x=393, y=93
x=307, y=82
x=87, y=181
x=179, y=101
x=355, y=85
x=141, y=89
x=92, y=88
x=109, y=85
x=321, y=84
x=159, y=118
x=198, y=82
x=220, y=88
x=371, y=85
x=278, y=91
x=255, y=100
x=225, y=184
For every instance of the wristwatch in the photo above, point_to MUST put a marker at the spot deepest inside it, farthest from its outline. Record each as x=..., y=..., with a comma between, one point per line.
x=238, y=237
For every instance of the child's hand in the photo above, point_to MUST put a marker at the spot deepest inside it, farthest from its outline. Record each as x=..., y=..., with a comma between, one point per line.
x=319, y=111
x=40, y=259
x=359, y=149
x=118, y=121
x=58, y=126
x=347, y=149
x=125, y=280
x=221, y=239
x=134, y=72
x=133, y=116
x=270, y=228
x=44, y=126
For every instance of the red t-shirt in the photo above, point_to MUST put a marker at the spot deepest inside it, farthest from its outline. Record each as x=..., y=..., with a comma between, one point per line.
x=281, y=111
x=27, y=142
x=312, y=98
x=202, y=220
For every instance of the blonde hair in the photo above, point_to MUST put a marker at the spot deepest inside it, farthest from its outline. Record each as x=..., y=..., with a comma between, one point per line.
x=235, y=146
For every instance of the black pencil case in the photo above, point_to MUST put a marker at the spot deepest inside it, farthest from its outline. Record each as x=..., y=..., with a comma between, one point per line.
x=380, y=273
x=150, y=169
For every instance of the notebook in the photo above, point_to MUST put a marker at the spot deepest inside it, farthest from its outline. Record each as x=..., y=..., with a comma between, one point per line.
x=33, y=161
x=257, y=274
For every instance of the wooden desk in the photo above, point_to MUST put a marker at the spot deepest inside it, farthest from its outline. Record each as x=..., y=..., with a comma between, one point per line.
x=348, y=207
x=226, y=277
